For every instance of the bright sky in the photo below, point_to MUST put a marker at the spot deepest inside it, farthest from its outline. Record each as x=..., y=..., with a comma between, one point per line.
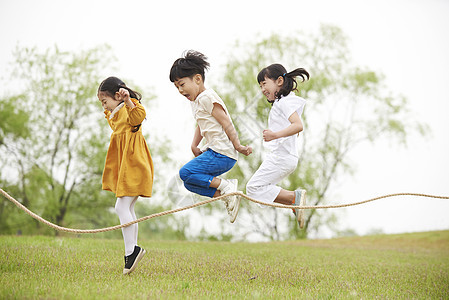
x=406, y=40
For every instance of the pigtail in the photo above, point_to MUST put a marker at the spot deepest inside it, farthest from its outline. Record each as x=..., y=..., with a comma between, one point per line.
x=290, y=83
x=298, y=72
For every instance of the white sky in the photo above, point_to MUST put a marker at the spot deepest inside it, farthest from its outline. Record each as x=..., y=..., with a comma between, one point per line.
x=406, y=40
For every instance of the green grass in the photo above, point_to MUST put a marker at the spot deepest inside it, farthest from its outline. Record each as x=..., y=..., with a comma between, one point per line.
x=412, y=266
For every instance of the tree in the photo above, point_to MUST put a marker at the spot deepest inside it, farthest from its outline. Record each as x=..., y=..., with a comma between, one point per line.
x=13, y=120
x=48, y=168
x=54, y=139
x=347, y=105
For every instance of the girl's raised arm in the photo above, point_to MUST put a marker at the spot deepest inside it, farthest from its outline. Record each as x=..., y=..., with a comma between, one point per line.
x=124, y=96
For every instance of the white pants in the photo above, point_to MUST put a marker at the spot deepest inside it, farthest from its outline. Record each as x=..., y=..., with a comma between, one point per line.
x=275, y=167
x=125, y=211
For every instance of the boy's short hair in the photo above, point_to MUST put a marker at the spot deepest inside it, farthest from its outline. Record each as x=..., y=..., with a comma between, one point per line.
x=192, y=63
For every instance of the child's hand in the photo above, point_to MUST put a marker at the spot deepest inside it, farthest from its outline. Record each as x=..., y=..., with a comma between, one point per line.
x=124, y=96
x=246, y=150
x=196, y=151
x=269, y=135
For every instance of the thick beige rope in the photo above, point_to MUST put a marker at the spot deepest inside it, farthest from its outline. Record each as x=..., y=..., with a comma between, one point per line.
x=172, y=211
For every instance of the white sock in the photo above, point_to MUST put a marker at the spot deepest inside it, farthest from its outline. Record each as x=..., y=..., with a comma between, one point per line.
x=224, y=183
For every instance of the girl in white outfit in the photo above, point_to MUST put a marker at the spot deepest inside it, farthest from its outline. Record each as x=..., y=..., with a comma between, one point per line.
x=284, y=126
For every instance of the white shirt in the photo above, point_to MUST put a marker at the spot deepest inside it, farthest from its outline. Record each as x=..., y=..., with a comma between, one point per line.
x=281, y=110
x=211, y=130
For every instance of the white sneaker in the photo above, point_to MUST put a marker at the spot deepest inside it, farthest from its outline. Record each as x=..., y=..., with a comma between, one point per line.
x=300, y=200
x=229, y=188
x=232, y=203
x=235, y=210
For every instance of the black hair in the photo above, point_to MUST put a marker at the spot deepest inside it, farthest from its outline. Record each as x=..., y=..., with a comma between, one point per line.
x=112, y=85
x=191, y=63
x=275, y=70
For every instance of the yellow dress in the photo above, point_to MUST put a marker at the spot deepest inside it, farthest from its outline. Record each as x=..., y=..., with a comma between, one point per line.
x=128, y=169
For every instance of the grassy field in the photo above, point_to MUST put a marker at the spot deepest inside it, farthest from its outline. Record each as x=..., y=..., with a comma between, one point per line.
x=411, y=266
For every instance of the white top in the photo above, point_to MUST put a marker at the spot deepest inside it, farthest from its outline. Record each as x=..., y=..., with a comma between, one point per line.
x=211, y=130
x=281, y=110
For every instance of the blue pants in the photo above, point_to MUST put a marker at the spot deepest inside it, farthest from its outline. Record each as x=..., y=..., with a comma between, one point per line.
x=198, y=173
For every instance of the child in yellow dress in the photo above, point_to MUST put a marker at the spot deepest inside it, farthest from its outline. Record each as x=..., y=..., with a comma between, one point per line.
x=128, y=170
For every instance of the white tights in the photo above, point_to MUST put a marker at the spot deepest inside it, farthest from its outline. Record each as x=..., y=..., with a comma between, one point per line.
x=125, y=211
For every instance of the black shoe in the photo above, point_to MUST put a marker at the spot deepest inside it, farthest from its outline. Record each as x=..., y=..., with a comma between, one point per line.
x=132, y=260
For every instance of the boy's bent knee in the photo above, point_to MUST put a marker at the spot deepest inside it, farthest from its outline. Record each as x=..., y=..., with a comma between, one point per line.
x=184, y=174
